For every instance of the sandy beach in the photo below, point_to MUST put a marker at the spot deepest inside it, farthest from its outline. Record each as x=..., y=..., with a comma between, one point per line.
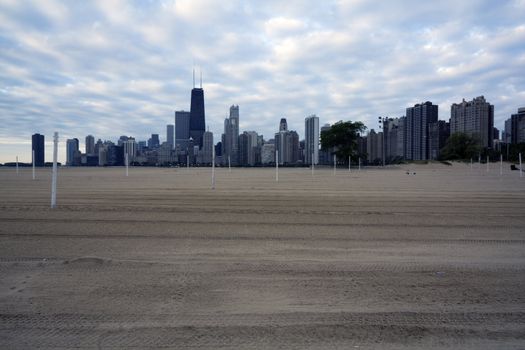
x=370, y=259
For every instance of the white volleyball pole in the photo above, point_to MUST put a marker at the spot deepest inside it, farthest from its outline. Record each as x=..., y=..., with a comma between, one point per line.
x=213, y=169
x=501, y=164
x=277, y=165
x=127, y=164
x=33, y=155
x=470, y=164
x=55, y=170
x=349, y=162
x=359, y=163
x=479, y=162
x=229, y=164
x=16, y=165
x=188, y=161
x=313, y=164
x=335, y=164
x=488, y=162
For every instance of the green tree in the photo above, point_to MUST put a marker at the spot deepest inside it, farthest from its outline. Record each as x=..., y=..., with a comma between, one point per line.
x=341, y=138
x=460, y=146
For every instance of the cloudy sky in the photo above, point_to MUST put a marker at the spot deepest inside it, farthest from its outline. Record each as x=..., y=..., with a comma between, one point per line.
x=111, y=68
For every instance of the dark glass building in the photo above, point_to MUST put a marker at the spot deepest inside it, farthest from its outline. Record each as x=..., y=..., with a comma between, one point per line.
x=182, y=129
x=38, y=146
x=197, y=118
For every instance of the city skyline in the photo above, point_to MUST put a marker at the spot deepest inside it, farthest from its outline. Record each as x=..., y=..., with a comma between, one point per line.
x=117, y=68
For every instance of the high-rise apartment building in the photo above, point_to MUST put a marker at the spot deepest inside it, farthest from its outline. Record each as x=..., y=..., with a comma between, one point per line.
x=130, y=148
x=207, y=147
x=286, y=144
x=374, y=147
x=71, y=151
x=268, y=152
x=416, y=130
x=182, y=130
x=197, y=114
x=38, y=147
x=231, y=137
x=98, y=145
x=154, y=141
x=438, y=133
x=475, y=118
x=170, y=133
x=249, y=151
x=393, y=129
x=311, y=140
x=90, y=145
x=515, y=127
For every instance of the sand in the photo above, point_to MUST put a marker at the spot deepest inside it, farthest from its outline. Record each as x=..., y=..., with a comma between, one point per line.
x=376, y=259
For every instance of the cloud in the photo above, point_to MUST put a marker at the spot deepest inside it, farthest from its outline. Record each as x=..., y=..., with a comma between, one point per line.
x=112, y=68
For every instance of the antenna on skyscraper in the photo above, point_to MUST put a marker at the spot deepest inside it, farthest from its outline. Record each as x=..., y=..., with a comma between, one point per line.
x=201, y=78
x=194, y=77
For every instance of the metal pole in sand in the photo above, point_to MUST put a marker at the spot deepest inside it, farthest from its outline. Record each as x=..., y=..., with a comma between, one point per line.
x=488, y=162
x=55, y=170
x=501, y=164
x=335, y=164
x=16, y=165
x=229, y=164
x=188, y=162
x=359, y=163
x=213, y=169
x=313, y=164
x=479, y=161
x=127, y=164
x=349, y=162
x=470, y=164
x=33, y=157
x=521, y=169
x=277, y=166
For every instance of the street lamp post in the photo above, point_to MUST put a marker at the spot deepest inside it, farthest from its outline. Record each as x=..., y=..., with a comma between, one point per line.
x=382, y=121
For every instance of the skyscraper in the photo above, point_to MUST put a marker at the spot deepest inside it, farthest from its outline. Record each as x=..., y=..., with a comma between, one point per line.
x=182, y=130
x=416, y=130
x=515, y=127
x=374, y=147
x=268, y=152
x=393, y=139
x=311, y=139
x=170, y=128
x=248, y=148
x=438, y=134
x=287, y=144
x=71, y=150
x=130, y=148
x=475, y=118
x=197, y=115
x=38, y=146
x=154, y=141
x=283, y=125
x=207, y=147
x=90, y=144
x=231, y=137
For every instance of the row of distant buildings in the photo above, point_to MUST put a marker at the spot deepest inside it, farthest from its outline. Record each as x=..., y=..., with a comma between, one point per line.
x=418, y=135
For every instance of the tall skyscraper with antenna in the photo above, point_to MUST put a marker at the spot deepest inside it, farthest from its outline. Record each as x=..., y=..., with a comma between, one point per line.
x=197, y=115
